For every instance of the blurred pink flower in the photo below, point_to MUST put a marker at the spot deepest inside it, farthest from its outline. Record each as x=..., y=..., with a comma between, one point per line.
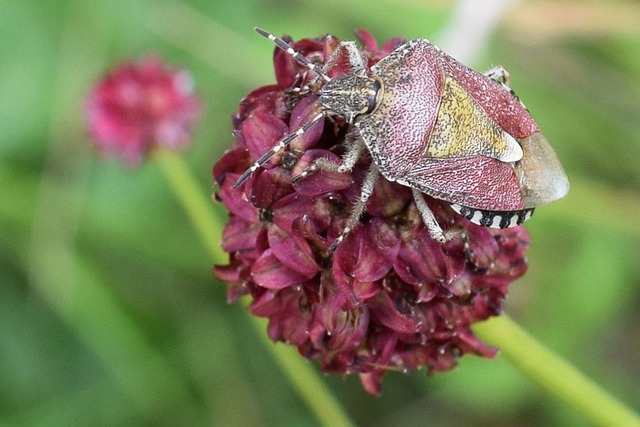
x=141, y=105
x=390, y=297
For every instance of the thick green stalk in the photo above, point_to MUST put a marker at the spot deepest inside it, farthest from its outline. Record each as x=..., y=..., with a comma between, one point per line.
x=305, y=379
x=555, y=374
x=195, y=203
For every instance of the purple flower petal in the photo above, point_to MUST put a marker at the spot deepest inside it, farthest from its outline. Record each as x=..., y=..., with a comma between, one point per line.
x=261, y=132
x=293, y=206
x=306, y=110
x=378, y=245
x=320, y=181
x=268, y=99
x=293, y=251
x=421, y=261
x=269, y=185
x=238, y=235
x=388, y=199
x=386, y=312
x=270, y=273
x=236, y=201
x=287, y=69
x=233, y=161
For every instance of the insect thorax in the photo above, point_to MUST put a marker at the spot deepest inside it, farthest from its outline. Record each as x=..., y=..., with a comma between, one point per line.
x=350, y=96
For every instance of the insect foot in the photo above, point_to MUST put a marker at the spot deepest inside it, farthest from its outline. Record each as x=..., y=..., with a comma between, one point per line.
x=344, y=198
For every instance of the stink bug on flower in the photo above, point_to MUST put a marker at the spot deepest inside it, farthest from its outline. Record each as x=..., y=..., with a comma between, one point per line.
x=436, y=126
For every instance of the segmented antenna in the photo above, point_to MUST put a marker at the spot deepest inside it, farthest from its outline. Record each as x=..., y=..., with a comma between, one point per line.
x=296, y=55
x=281, y=145
x=305, y=127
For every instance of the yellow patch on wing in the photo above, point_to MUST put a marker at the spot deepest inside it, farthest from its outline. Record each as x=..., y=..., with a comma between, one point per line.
x=462, y=128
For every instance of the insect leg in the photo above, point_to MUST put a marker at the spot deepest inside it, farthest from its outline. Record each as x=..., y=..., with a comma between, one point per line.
x=353, y=153
x=500, y=75
x=467, y=247
x=355, y=58
x=358, y=207
x=428, y=218
x=349, y=160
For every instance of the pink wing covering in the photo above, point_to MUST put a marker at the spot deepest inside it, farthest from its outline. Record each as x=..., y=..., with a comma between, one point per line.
x=414, y=80
x=396, y=134
x=475, y=181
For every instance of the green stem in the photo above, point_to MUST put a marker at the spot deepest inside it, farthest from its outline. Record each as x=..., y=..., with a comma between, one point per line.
x=300, y=373
x=555, y=374
x=305, y=379
x=196, y=205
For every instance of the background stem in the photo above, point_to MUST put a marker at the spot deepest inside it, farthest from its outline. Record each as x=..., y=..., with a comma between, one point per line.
x=554, y=374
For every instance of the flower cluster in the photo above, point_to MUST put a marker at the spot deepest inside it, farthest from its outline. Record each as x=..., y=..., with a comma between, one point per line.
x=141, y=105
x=390, y=297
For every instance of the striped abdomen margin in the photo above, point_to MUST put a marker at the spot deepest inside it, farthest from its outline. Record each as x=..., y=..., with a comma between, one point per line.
x=494, y=219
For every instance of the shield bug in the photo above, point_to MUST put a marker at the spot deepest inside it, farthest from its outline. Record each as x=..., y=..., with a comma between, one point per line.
x=436, y=126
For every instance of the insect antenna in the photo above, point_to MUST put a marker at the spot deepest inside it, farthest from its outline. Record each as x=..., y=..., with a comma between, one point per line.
x=287, y=140
x=291, y=51
x=281, y=145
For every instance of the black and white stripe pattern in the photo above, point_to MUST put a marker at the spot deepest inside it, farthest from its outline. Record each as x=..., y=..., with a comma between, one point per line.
x=297, y=55
x=494, y=219
x=281, y=145
x=286, y=141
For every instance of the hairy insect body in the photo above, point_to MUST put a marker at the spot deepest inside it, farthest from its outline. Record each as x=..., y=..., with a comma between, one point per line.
x=440, y=128
x=350, y=95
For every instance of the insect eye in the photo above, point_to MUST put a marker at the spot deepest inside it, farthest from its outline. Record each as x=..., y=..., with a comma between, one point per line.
x=375, y=96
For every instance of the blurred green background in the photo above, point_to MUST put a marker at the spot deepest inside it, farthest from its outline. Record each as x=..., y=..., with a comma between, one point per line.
x=109, y=314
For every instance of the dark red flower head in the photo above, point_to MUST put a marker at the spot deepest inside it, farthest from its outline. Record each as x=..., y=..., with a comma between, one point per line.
x=390, y=297
x=141, y=105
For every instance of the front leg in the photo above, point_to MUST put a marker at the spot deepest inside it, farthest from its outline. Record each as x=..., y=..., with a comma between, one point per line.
x=500, y=75
x=348, y=162
x=358, y=207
